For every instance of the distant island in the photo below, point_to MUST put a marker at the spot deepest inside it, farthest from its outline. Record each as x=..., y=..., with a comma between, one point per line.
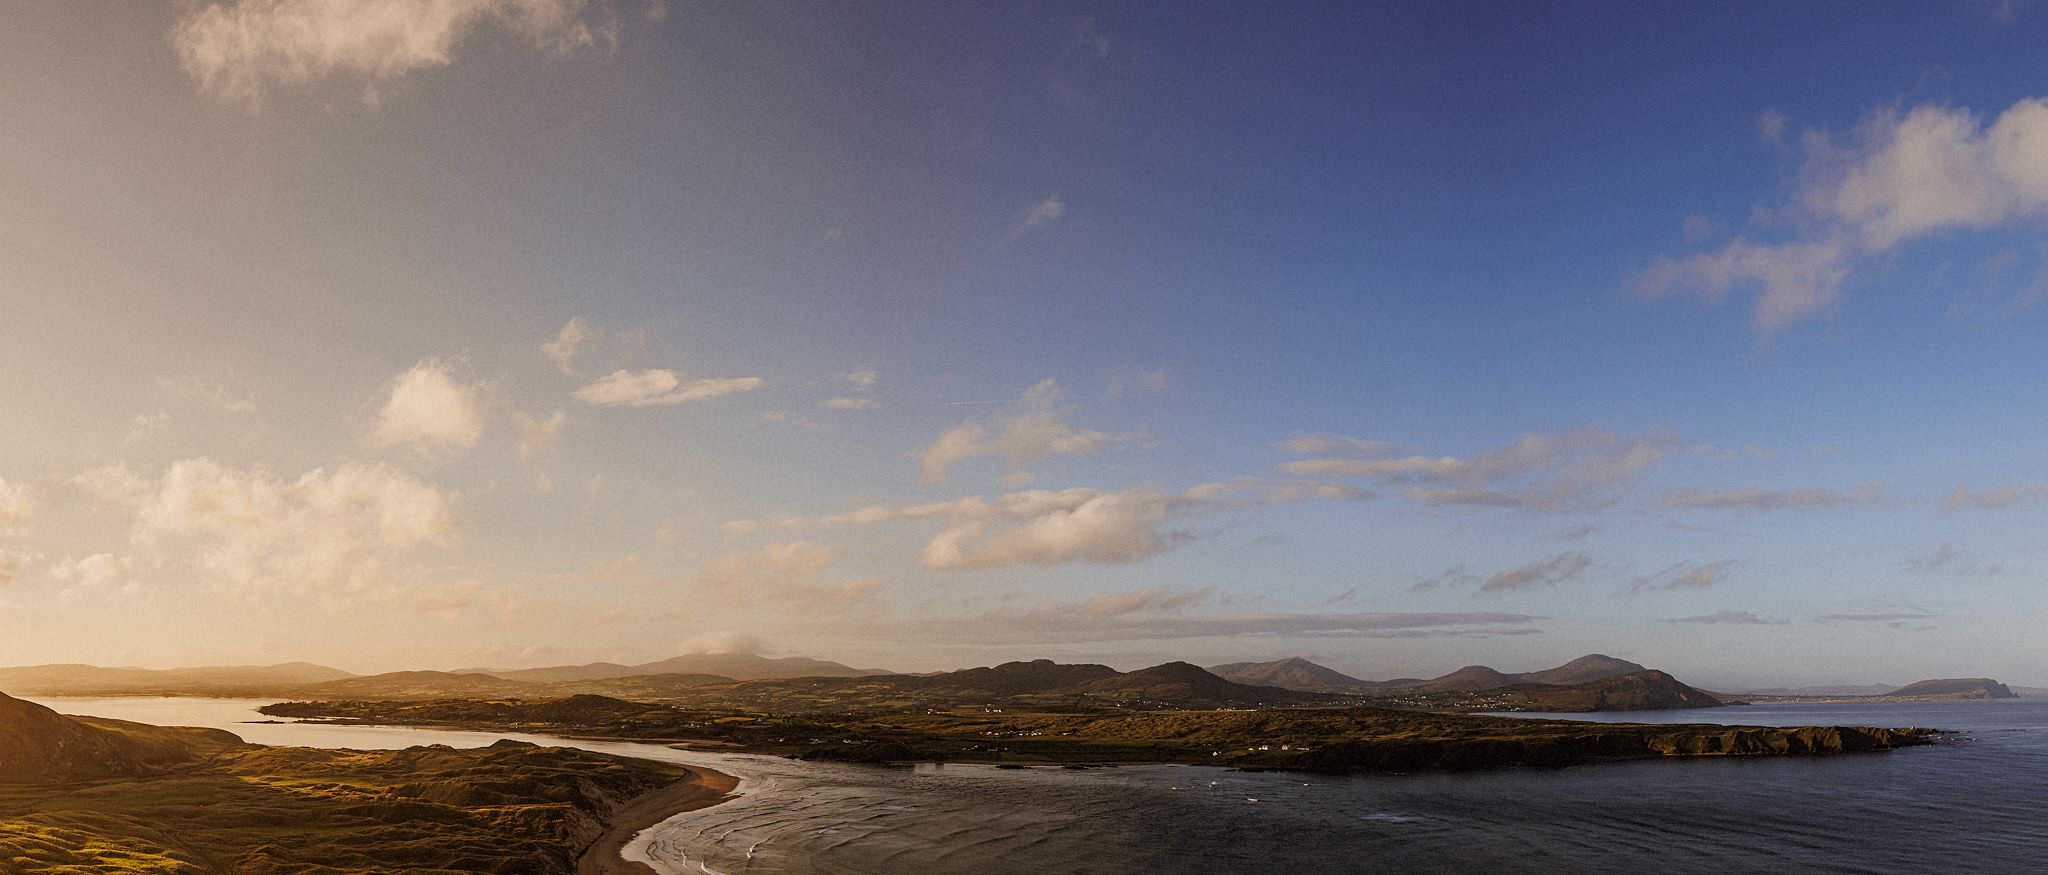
x=1936, y=690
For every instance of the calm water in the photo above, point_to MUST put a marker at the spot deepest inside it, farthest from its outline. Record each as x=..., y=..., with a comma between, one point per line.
x=1978, y=804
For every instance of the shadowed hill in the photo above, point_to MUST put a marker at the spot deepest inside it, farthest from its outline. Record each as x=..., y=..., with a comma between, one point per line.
x=1585, y=669
x=1295, y=673
x=1646, y=690
x=1470, y=679
x=1012, y=678
x=1181, y=682
x=40, y=746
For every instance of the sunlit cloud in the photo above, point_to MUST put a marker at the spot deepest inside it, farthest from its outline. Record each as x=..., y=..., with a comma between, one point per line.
x=1996, y=498
x=15, y=506
x=849, y=403
x=787, y=578
x=240, y=51
x=562, y=349
x=1082, y=623
x=429, y=407
x=656, y=388
x=1037, y=430
x=253, y=529
x=1569, y=470
x=1900, y=176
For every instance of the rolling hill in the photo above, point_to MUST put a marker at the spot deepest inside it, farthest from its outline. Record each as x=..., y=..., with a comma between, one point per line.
x=1956, y=688
x=40, y=746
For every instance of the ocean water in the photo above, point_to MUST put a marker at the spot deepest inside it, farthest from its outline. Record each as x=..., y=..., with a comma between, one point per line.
x=1978, y=802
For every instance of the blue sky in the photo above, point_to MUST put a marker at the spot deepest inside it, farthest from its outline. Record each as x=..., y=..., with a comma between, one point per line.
x=1404, y=336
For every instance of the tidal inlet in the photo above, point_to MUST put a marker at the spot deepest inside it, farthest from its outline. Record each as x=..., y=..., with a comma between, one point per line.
x=649, y=437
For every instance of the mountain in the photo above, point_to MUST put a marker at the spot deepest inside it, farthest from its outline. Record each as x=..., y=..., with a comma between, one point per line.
x=40, y=746
x=1185, y=684
x=1294, y=673
x=735, y=666
x=1956, y=688
x=1585, y=669
x=72, y=679
x=1013, y=678
x=1646, y=690
x=1470, y=679
x=747, y=667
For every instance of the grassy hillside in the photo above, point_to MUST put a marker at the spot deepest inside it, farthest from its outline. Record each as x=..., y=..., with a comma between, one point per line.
x=171, y=801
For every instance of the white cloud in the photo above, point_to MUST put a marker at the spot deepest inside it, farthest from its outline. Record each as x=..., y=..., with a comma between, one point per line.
x=786, y=577
x=15, y=506
x=1052, y=209
x=1335, y=445
x=864, y=378
x=849, y=403
x=92, y=574
x=253, y=529
x=656, y=387
x=1054, y=527
x=539, y=434
x=1039, y=430
x=562, y=350
x=429, y=407
x=238, y=51
x=1581, y=468
x=1995, y=498
x=1901, y=176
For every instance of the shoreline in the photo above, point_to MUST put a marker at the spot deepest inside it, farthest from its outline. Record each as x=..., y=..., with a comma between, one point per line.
x=702, y=788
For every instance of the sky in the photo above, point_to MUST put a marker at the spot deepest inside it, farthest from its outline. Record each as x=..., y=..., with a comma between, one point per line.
x=397, y=334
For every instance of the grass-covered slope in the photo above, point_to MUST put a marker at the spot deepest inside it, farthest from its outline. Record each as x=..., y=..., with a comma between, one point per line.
x=168, y=801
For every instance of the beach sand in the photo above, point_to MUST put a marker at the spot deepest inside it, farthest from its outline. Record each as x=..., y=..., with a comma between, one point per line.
x=702, y=789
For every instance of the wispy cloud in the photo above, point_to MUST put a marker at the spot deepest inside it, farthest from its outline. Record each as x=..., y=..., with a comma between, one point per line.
x=1038, y=429
x=1759, y=499
x=1899, y=176
x=1080, y=623
x=1995, y=498
x=787, y=578
x=1567, y=566
x=562, y=349
x=1570, y=470
x=1725, y=618
x=1045, y=212
x=658, y=388
x=1684, y=576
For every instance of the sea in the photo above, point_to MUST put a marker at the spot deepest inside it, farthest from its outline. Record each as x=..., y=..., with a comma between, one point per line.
x=1976, y=802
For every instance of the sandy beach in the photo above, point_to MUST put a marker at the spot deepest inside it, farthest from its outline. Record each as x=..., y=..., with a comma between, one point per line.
x=702, y=789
